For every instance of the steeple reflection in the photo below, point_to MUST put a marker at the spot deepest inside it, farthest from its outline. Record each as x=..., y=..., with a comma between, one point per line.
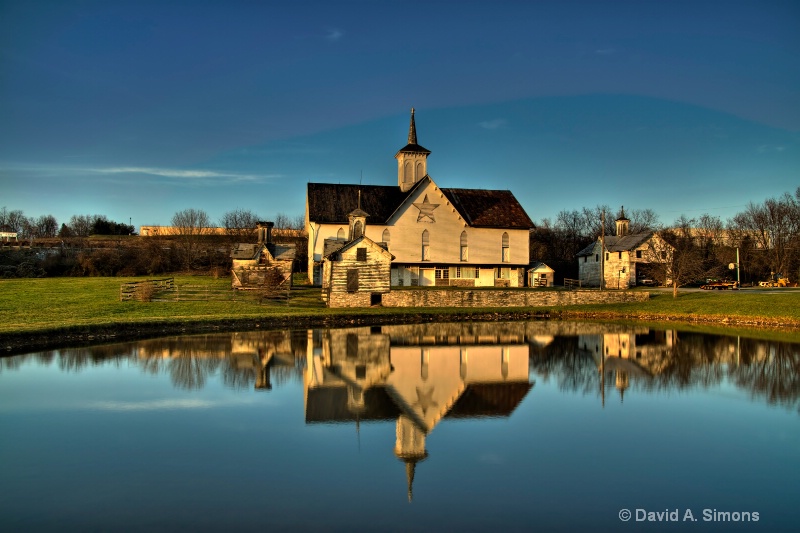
x=416, y=376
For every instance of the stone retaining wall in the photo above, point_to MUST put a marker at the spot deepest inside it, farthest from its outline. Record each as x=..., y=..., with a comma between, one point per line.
x=506, y=298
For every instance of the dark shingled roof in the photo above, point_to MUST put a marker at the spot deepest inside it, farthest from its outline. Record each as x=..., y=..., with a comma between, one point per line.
x=329, y=203
x=329, y=404
x=489, y=209
x=489, y=399
x=625, y=243
x=413, y=148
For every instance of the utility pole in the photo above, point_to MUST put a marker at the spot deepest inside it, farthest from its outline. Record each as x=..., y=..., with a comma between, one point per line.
x=738, y=278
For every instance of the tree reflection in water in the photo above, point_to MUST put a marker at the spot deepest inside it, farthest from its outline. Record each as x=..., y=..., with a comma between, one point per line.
x=579, y=357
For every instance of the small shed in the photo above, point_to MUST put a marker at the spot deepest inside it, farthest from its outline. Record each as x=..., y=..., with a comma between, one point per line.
x=264, y=264
x=356, y=273
x=540, y=275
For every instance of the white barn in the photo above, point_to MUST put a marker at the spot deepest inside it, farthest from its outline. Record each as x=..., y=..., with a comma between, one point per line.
x=438, y=236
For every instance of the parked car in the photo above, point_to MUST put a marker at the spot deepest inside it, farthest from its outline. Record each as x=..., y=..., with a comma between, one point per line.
x=646, y=282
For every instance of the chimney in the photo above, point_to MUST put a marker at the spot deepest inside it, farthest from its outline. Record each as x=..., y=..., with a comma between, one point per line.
x=264, y=232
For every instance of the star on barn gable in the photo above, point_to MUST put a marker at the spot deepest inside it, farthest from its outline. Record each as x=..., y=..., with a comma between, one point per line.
x=426, y=210
x=425, y=400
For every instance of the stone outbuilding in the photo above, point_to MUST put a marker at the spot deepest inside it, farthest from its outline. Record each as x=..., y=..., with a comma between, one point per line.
x=263, y=265
x=356, y=272
x=625, y=254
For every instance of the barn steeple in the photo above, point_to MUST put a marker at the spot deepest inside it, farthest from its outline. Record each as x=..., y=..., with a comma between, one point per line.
x=412, y=159
x=357, y=220
x=623, y=223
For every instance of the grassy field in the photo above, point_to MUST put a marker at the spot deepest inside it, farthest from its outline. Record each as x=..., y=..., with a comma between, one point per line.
x=741, y=305
x=58, y=304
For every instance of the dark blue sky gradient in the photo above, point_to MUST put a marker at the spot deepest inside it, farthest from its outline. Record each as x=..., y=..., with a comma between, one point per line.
x=140, y=109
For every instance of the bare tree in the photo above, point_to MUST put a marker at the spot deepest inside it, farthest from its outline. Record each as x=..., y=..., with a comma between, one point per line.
x=240, y=224
x=774, y=226
x=46, y=226
x=674, y=257
x=191, y=225
x=643, y=220
x=81, y=225
x=11, y=220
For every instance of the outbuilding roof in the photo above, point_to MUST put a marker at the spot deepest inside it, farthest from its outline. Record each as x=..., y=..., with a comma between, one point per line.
x=625, y=243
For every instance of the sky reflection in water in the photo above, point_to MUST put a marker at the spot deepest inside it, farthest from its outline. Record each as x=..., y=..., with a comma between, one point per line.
x=468, y=427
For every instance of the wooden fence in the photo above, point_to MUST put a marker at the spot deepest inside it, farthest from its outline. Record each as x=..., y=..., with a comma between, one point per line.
x=146, y=290
x=166, y=290
x=572, y=284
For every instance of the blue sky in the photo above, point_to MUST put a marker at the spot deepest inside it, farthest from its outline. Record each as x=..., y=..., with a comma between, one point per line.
x=140, y=109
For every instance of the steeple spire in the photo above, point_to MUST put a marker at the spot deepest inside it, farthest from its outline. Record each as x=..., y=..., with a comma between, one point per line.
x=412, y=163
x=412, y=130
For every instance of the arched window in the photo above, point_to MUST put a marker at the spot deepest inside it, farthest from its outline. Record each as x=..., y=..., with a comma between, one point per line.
x=408, y=174
x=358, y=229
x=464, y=247
x=386, y=237
x=426, y=249
x=340, y=233
x=506, y=252
x=420, y=171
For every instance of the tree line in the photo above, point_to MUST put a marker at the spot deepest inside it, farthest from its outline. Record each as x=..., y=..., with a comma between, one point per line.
x=46, y=226
x=192, y=245
x=766, y=234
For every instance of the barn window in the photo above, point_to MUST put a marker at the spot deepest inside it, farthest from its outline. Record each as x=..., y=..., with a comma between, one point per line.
x=361, y=254
x=414, y=275
x=596, y=258
x=466, y=272
x=638, y=254
x=386, y=237
x=358, y=229
x=620, y=255
x=426, y=249
x=340, y=233
x=464, y=247
x=408, y=173
x=663, y=255
x=585, y=258
x=352, y=280
x=606, y=256
x=420, y=171
x=506, y=252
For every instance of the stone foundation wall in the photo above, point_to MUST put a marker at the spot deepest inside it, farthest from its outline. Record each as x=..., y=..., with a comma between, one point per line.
x=349, y=299
x=506, y=298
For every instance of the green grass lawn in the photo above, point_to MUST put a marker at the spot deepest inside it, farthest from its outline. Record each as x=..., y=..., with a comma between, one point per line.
x=31, y=305
x=721, y=304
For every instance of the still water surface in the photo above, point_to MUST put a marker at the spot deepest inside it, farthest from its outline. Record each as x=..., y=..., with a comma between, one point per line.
x=522, y=426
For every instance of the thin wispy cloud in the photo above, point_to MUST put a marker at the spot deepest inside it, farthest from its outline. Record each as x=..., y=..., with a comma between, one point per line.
x=493, y=124
x=185, y=174
x=334, y=34
x=153, y=405
x=161, y=404
x=766, y=148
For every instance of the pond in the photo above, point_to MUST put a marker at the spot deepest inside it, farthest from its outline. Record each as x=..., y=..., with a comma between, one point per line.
x=513, y=426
